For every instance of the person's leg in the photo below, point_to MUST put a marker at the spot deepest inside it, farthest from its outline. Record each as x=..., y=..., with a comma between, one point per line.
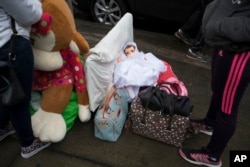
x=230, y=80
x=190, y=29
x=230, y=77
x=5, y=127
x=192, y=25
x=19, y=114
x=204, y=125
x=199, y=42
x=4, y=118
x=196, y=51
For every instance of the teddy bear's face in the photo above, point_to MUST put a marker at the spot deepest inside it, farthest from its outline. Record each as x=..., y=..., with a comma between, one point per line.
x=62, y=24
x=61, y=36
x=44, y=42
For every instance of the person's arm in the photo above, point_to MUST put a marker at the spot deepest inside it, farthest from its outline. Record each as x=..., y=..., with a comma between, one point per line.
x=225, y=21
x=233, y=28
x=119, y=59
x=25, y=12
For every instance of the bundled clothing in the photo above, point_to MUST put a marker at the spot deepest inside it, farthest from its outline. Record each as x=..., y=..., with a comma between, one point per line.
x=142, y=69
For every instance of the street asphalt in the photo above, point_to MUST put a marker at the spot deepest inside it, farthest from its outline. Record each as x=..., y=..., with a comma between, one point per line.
x=80, y=148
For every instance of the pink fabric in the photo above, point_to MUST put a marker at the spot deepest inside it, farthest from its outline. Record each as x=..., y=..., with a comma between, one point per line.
x=71, y=72
x=233, y=80
x=169, y=76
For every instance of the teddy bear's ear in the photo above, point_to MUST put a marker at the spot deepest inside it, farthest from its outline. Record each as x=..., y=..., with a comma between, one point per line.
x=63, y=25
x=62, y=22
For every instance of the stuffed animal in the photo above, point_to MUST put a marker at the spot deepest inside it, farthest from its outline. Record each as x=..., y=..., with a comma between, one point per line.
x=57, y=47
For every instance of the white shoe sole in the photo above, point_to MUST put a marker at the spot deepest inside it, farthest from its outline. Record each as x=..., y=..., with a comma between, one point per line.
x=7, y=134
x=35, y=151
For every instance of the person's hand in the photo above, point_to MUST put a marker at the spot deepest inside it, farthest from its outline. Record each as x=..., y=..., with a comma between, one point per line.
x=119, y=59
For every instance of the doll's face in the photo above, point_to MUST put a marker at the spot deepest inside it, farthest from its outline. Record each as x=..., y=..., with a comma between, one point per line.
x=129, y=51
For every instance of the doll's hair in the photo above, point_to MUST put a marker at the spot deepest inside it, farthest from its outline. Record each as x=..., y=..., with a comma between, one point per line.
x=128, y=46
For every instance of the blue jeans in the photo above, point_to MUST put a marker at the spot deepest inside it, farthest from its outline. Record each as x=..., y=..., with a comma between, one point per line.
x=19, y=115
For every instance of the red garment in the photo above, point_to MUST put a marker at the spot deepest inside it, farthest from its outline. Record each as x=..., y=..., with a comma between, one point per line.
x=164, y=76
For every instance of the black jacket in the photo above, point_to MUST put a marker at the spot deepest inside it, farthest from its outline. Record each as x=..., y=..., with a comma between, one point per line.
x=227, y=23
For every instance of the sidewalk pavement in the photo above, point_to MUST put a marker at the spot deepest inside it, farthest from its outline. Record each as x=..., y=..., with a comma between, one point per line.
x=81, y=149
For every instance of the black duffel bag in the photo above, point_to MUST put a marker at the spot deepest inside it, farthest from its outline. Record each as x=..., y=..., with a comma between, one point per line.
x=156, y=98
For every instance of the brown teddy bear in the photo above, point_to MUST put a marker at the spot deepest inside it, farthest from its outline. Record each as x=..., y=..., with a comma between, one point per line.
x=58, y=71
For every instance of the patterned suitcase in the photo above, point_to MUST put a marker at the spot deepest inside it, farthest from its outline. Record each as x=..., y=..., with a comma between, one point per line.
x=158, y=126
x=109, y=121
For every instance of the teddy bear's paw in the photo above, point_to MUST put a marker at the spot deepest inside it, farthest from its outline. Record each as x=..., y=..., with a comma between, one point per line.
x=55, y=130
x=38, y=121
x=48, y=126
x=84, y=113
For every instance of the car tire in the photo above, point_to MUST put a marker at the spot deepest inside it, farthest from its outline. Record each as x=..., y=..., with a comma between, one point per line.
x=108, y=13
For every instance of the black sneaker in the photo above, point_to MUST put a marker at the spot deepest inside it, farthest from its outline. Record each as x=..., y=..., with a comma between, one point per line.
x=185, y=38
x=9, y=130
x=34, y=148
x=199, y=126
x=200, y=56
x=199, y=157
